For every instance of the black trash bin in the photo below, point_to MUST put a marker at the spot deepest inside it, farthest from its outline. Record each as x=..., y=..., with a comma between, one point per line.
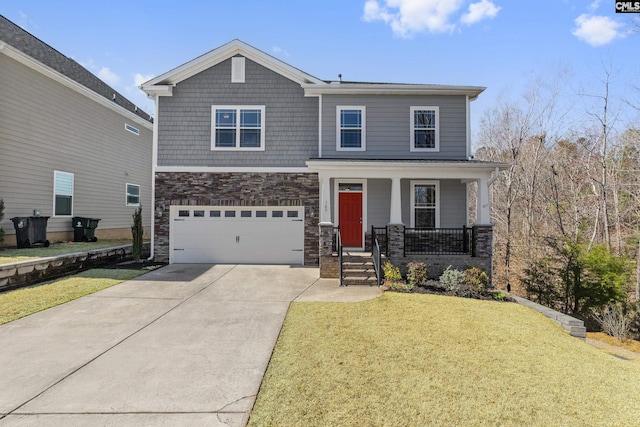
x=31, y=231
x=84, y=229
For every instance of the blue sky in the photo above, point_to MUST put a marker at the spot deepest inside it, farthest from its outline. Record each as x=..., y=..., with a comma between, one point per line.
x=499, y=44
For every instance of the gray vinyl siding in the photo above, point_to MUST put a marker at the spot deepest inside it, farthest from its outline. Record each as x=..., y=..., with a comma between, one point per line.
x=45, y=126
x=184, y=119
x=453, y=203
x=378, y=202
x=388, y=123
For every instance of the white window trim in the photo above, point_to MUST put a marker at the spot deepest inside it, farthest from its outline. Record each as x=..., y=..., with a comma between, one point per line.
x=413, y=200
x=412, y=146
x=238, y=108
x=126, y=200
x=73, y=185
x=336, y=203
x=363, y=145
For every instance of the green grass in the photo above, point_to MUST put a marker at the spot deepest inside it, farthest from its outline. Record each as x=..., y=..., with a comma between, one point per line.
x=411, y=360
x=16, y=255
x=25, y=301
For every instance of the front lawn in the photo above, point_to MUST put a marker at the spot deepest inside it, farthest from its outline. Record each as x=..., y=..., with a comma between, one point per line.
x=406, y=359
x=25, y=301
x=16, y=255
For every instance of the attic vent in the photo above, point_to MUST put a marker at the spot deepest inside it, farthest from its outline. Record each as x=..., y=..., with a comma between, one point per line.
x=237, y=69
x=131, y=129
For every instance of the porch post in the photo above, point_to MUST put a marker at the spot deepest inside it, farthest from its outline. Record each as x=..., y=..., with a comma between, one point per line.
x=325, y=196
x=483, y=207
x=395, y=214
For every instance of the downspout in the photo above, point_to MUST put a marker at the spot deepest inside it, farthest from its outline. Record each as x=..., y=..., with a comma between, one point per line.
x=489, y=182
x=154, y=163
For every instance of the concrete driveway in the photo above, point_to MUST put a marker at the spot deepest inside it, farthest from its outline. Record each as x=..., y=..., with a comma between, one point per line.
x=187, y=344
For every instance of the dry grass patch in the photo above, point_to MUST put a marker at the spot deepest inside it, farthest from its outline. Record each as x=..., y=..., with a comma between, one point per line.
x=406, y=359
x=25, y=301
x=627, y=344
x=16, y=255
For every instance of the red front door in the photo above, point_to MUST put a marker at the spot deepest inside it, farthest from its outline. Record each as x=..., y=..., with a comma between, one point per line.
x=350, y=219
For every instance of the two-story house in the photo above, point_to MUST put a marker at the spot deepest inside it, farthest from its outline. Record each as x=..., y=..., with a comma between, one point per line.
x=256, y=161
x=70, y=145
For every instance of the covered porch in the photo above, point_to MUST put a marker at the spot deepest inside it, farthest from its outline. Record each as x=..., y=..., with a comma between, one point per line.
x=417, y=209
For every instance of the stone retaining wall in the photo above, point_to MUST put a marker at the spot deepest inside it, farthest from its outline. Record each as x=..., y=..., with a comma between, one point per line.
x=38, y=270
x=574, y=326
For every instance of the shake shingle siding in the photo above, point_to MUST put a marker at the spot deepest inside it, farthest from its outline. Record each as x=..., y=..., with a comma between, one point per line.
x=291, y=120
x=388, y=126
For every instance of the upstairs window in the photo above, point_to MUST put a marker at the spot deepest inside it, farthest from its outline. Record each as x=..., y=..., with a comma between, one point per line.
x=133, y=195
x=425, y=135
x=237, y=128
x=351, y=129
x=62, y=193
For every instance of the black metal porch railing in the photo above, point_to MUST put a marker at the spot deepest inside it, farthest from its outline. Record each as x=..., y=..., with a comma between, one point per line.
x=337, y=247
x=438, y=241
x=376, y=251
x=381, y=234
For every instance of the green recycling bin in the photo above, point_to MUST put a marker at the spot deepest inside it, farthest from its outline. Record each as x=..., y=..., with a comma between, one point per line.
x=84, y=229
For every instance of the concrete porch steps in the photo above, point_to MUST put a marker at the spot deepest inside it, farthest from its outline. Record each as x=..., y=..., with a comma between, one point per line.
x=358, y=269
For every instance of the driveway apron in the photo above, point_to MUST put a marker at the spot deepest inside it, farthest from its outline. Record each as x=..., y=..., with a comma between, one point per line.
x=182, y=345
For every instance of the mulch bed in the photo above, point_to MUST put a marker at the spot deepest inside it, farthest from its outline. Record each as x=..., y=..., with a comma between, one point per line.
x=434, y=287
x=133, y=265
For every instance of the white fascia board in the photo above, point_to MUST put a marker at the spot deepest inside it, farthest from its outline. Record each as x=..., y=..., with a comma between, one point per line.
x=227, y=169
x=49, y=72
x=399, y=169
x=159, y=90
x=391, y=89
x=227, y=51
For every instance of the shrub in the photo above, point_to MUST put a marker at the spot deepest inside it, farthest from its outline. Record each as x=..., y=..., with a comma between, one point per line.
x=452, y=279
x=416, y=273
x=615, y=320
x=1, y=216
x=476, y=278
x=391, y=272
x=137, y=231
x=500, y=296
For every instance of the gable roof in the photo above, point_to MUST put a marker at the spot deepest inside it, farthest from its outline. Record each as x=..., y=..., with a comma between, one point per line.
x=220, y=54
x=27, y=44
x=163, y=84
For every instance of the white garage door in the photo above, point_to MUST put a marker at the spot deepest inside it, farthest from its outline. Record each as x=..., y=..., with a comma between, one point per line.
x=237, y=235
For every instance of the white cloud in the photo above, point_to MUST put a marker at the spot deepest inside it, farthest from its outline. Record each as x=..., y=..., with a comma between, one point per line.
x=407, y=17
x=594, y=5
x=138, y=78
x=108, y=76
x=277, y=50
x=596, y=30
x=478, y=11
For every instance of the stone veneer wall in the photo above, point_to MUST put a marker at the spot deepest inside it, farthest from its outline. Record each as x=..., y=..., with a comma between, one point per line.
x=237, y=189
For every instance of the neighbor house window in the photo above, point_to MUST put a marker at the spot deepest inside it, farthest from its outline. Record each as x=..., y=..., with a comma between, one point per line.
x=133, y=195
x=425, y=134
x=424, y=204
x=62, y=193
x=237, y=128
x=351, y=133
